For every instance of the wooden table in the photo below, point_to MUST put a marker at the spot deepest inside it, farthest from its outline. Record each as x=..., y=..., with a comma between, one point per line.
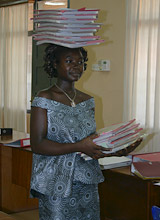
x=15, y=173
x=124, y=196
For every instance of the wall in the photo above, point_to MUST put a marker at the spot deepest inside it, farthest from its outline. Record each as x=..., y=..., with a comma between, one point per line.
x=106, y=87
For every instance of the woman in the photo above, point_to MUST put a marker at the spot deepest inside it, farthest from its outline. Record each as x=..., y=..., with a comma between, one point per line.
x=62, y=125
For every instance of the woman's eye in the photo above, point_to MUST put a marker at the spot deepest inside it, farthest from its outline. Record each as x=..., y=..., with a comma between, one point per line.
x=81, y=62
x=78, y=63
x=68, y=61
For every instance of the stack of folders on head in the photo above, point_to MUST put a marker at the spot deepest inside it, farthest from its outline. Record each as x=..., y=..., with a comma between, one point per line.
x=119, y=136
x=71, y=28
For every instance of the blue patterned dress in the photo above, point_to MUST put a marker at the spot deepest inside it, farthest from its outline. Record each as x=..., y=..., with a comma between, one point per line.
x=66, y=185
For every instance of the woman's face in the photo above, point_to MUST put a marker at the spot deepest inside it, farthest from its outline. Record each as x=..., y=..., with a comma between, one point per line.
x=69, y=65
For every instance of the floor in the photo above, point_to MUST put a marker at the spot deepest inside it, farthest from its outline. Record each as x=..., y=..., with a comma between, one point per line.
x=28, y=215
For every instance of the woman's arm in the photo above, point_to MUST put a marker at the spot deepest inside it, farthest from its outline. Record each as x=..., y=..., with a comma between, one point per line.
x=41, y=145
x=38, y=133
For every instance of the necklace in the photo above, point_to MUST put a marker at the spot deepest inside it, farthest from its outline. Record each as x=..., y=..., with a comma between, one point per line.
x=73, y=104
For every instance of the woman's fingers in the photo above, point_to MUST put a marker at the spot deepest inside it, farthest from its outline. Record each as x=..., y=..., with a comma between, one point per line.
x=93, y=136
x=106, y=149
x=99, y=152
x=99, y=155
x=103, y=148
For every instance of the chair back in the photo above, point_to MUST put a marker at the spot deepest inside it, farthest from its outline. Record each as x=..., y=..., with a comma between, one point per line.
x=156, y=212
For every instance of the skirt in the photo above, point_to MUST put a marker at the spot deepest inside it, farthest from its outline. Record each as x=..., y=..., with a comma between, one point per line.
x=82, y=204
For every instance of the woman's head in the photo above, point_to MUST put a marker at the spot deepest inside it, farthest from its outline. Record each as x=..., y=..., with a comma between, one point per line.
x=53, y=54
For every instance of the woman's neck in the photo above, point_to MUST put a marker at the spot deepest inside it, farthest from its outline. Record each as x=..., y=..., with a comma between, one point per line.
x=66, y=86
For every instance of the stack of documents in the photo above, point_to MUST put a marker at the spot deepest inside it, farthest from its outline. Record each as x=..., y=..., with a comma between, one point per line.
x=118, y=137
x=114, y=162
x=71, y=28
x=146, y=166
x=152, y=157
x=146, y=170
x=24, y=142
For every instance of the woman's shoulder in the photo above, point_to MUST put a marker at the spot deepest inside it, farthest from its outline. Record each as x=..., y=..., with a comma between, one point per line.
x=45, y=93
x=43, y=99
x=83, y=96
x=49, y=94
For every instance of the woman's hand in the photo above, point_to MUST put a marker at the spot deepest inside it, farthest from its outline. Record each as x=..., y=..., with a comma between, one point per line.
x=91, y=149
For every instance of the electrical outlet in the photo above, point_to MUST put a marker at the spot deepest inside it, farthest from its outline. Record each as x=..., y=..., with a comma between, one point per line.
x=95, y=67
x=103, y=65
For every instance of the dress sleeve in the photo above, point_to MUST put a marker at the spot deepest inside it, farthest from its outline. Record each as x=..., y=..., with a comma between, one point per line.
x=41, y=102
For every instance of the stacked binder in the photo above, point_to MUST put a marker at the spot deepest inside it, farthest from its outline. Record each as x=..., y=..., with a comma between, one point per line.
x=118, y=136
x=146, y=166
x=71, y=28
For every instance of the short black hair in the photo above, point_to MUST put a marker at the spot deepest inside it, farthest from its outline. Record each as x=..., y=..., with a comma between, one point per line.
x=50, y=57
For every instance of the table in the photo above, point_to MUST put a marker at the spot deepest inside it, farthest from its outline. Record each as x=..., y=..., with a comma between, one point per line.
x=123, y=196
x=15, y=173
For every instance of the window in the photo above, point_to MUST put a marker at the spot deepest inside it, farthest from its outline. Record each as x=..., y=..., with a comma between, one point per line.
x=142, y=69
x=29, y=58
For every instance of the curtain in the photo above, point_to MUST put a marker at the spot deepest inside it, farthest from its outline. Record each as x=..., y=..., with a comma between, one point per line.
x=142, y=69
x=13, y=66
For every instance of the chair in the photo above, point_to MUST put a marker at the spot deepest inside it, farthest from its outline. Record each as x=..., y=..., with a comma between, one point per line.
x=156, y=212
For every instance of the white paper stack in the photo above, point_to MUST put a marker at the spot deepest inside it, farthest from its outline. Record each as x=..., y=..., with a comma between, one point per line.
x=118, y=137
x=71, y=28
x=114, y=162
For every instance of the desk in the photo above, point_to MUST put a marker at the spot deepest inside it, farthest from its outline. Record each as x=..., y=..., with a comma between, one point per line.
x=15, y=173
x=124, y=196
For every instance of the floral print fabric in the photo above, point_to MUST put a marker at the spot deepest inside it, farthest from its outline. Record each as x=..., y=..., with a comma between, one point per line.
x=54, y=175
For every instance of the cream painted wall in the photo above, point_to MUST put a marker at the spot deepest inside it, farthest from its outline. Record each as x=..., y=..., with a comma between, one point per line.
x=106, y=87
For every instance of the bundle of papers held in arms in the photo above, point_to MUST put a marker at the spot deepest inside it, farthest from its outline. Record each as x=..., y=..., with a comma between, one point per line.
x=118, y=136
